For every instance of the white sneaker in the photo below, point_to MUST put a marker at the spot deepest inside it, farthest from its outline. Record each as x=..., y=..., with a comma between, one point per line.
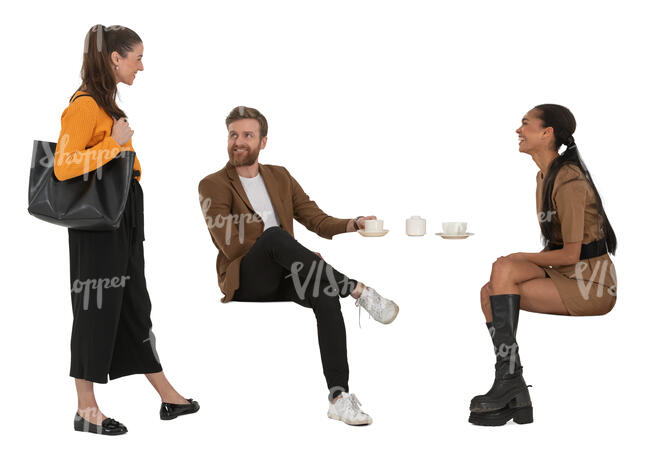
x=380, y=308
x=348, y=409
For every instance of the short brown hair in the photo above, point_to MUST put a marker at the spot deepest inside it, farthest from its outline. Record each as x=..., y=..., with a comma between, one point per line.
x=242, y=113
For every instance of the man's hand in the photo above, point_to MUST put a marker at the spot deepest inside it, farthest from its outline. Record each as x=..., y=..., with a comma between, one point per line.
x=361, y=222
x=319, y=255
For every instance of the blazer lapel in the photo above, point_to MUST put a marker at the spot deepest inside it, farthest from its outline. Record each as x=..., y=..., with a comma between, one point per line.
x=236, y=183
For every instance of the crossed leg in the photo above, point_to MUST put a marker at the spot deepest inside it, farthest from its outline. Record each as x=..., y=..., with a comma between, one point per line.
x=538, y=294
x=279, y=268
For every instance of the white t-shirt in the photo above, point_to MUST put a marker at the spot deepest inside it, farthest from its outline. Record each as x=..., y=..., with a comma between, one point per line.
x=260, y=199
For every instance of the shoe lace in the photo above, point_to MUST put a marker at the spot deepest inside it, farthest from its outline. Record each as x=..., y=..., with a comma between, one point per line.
x=354, y=404
x=370, y=306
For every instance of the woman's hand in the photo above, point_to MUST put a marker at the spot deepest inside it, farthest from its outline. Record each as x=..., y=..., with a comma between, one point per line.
x=121, y=131
x=517, y=256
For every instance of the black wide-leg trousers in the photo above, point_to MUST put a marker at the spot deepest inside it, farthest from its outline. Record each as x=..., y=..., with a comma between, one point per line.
x=111, y=330
x=279, y=268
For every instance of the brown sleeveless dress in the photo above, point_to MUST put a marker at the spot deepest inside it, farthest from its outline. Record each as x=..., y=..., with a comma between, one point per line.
x=588, y=287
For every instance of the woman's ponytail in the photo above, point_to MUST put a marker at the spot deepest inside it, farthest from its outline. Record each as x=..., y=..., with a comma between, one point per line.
x=564, y=124
x=97, y=72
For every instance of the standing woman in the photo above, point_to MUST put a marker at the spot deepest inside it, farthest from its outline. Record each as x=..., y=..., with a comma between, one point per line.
x=111, y=331
x=572, y=275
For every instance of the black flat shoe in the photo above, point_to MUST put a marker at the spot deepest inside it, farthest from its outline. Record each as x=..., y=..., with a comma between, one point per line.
x=172, y=410
x=109, y=426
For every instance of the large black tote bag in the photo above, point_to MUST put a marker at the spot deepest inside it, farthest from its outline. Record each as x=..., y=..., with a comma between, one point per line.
x=94, y=201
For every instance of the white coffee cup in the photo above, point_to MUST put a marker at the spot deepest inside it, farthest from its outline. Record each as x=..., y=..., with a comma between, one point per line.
x=374, y=226
x=416, y=226
x=454, y=228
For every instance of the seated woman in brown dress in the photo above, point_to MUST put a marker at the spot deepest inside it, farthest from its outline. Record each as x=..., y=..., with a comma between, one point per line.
x=572, y=275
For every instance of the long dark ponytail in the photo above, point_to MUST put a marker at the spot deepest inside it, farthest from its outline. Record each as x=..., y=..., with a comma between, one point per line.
x=564, y=125
x=96, y=71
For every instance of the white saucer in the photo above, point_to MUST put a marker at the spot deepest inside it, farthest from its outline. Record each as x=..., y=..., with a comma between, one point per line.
x=454, y=236
x=376, y=234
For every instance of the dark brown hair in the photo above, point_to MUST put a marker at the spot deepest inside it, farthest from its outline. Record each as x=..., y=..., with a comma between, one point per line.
x=564, y=125
x=97, y=77
x=242, y=113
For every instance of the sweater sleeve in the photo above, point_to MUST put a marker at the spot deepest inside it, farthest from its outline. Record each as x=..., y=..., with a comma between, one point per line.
x=128, y=146
x=73, y=156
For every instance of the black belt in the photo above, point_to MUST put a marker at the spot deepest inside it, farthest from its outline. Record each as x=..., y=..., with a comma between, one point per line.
x=591, y=250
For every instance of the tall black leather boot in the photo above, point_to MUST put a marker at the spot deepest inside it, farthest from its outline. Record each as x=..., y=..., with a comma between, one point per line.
x=509, y=391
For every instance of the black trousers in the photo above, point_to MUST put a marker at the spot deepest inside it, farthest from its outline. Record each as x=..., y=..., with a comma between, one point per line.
x=279, y=268
x=111, y=331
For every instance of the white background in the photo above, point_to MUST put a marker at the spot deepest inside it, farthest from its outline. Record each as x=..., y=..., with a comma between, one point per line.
x=376, y=108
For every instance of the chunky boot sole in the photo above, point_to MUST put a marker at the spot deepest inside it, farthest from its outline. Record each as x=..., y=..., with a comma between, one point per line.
x=521, y=415
x=515, y=397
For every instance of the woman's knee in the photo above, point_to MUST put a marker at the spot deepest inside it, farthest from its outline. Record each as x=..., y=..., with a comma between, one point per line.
x=502, y=271
x=486, y=291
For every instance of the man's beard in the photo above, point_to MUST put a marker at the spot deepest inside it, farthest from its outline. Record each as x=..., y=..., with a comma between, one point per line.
x=246, y=160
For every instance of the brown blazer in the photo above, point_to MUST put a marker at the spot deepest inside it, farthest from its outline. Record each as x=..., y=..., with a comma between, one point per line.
x=235, y=226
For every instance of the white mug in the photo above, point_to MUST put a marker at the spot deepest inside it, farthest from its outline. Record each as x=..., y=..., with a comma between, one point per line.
x=416, y=226
x=374, y=226
x=454, y=228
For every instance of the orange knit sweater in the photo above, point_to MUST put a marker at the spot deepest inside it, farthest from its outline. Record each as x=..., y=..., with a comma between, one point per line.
x=85, y=142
